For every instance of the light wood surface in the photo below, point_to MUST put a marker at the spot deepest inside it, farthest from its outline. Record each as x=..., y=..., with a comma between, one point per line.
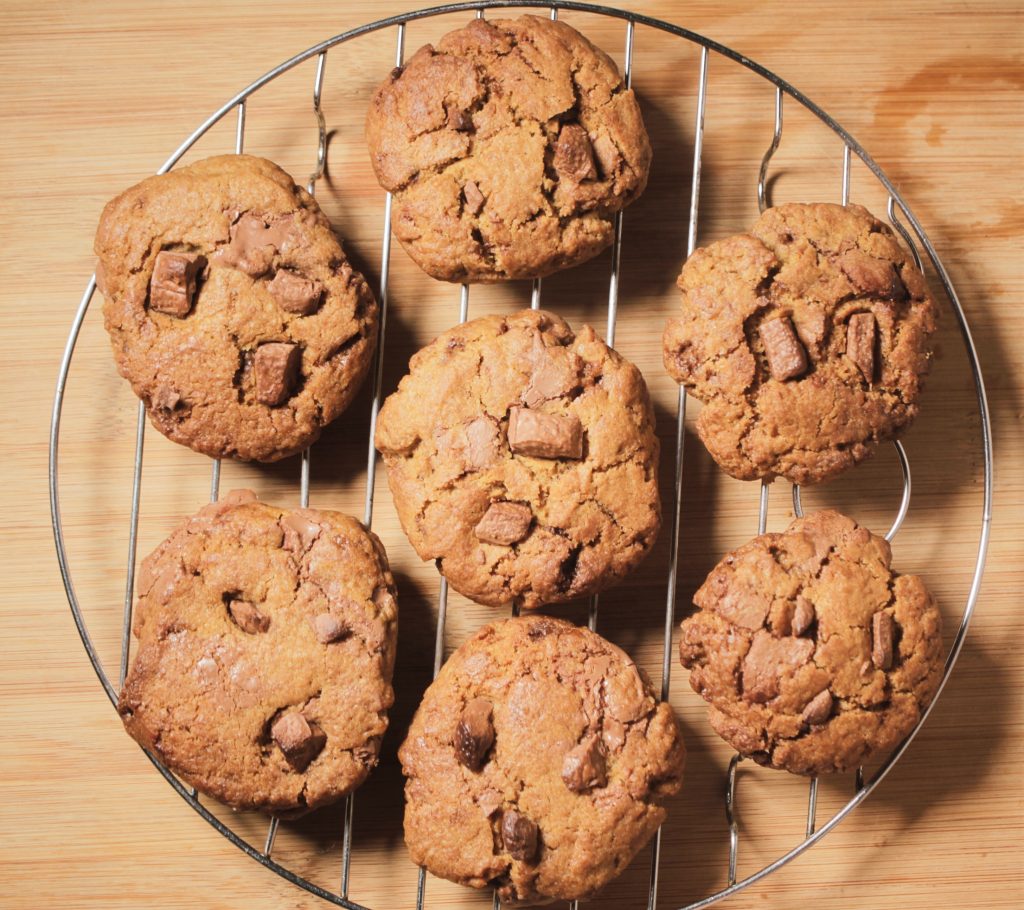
x=94, y=97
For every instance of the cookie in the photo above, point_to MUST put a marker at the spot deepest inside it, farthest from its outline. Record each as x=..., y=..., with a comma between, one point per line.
x=509, y=148
x=523, y=460
x=812, y=654
x=538, y=763
x=232, y=309
x=266, y=642
x=806, y=339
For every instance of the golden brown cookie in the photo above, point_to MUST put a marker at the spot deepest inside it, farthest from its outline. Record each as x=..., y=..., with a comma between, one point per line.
x=806, y=339
x=509, y=148
x=266, y=641
x=812, y=653
x=523, y=459
x=538, y=763
x=232, y=309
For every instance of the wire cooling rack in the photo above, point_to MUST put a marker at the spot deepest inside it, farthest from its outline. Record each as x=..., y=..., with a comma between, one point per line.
x=898, y=212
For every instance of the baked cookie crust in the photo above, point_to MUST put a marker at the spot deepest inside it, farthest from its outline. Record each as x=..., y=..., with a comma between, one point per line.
x=538, y=763
x=807, y=341
x=523, y=459
x=266, y=643
x=232, y=309
x=509, y=148
x=812, y=654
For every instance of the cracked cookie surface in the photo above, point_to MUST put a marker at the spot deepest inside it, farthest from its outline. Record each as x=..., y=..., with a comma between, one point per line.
x=806, y=339
x=509, y=148
x=266, y=643
x=232, y=309
x=576, y=761
x=812, y=653
x=523, y=459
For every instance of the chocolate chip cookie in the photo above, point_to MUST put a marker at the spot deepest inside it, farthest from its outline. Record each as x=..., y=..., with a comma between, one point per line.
x=523, y=460
x=231, y=308
x=509, y=148
x=266, y=641
x=812, y=653
x=806, y=339
x=538, y=763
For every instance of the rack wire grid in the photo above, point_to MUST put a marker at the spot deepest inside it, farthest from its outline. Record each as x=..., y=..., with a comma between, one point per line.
x=897, y=210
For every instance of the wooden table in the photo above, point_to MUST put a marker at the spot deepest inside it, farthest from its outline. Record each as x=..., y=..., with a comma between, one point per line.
x=96, y=95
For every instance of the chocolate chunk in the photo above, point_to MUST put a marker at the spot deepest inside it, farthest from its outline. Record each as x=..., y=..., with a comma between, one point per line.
x=481, y=443
x=870, y=276
x=882, y=630
x=544, y=435
x=625, y=694
x=818, y=709
x=254, y=243
x=459, y=120
x=743, y=604
x=165, y=398
x=786, y=356
x=474, y=734
x=327, y=627
x=294, y=293
x=474, y=198
x=299, y=740
x=767, y=659
x=222, y=505
x=504, y=523
x=574, y=156
x=476, y=444
x=554, y=375
x=173, y=284
x=613, y=733
x=300, y=530
x=247, y=617
x=803, y=616
x=608, y=156
x=585, y=767
x=860, y=343
x=277, y=372
x=541, y=628
x=519, y=836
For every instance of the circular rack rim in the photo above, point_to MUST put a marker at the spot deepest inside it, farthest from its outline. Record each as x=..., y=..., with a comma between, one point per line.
x=782, y=88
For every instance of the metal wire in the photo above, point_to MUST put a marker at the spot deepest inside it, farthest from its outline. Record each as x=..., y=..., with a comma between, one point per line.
x=321, y=124
x=730, y=817
x=673, y=569
x=133, y=537
x=904, y=233
x=907, y=232
x=846, y=175
x=321, y=157
x=239, y=148
x=812, y=793
x=762, y=511
x=382, y=296
x=215, y=471
x=613, y=283
x=442, y=610
x=215, y=480
x=904, y=506
x=762, y=177
x=268, y=846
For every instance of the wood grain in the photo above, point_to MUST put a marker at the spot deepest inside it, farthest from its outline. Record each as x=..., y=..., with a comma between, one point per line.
x=96, y=95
